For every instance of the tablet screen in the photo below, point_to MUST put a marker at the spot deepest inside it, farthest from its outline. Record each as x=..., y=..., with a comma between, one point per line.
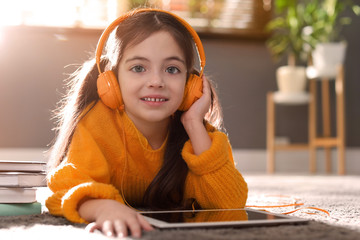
x=215, y=217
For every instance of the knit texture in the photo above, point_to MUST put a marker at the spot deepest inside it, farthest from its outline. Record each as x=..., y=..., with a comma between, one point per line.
x=104, y=163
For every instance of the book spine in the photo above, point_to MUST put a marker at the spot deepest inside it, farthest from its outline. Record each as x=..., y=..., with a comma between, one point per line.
x=16, y=209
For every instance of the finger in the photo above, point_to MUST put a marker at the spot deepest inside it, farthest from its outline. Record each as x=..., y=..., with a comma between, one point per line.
x=91, y=227
x=144, y=223
x=206, y=85
x=134, y=226
x=120, y=229
x=107, y=228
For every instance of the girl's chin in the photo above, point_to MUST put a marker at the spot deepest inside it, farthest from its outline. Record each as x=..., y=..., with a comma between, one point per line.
x=158, y=117
x=154, y=116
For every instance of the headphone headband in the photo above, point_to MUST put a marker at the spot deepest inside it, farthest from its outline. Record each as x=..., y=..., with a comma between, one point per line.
x=114, y=24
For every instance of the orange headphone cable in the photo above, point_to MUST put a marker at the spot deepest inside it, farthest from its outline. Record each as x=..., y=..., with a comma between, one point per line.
x=288, y=205
x=125, y=164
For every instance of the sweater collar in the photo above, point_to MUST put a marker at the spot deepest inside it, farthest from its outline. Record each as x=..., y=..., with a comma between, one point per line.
x=135, y=135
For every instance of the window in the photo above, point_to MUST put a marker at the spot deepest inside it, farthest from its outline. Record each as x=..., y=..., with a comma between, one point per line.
x=237, y=17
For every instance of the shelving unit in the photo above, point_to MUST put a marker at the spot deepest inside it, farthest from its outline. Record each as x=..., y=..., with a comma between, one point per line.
x=324, y=140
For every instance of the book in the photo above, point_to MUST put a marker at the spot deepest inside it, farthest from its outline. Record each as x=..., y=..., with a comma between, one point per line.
x=15, y=209
x=22, y=166
x=22, y=179
x=17, y=195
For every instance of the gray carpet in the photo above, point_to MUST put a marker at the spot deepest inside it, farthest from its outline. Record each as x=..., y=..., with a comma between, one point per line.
x=340, y=196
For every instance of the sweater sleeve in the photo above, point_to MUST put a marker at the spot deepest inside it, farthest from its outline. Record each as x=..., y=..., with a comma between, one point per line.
x=213, y=179
x=84, y=173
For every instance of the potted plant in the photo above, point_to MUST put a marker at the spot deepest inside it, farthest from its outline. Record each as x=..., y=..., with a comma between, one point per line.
x=288, y=39
x=326, y=25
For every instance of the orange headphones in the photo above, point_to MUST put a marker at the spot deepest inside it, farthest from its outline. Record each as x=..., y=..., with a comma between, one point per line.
x=108, y=87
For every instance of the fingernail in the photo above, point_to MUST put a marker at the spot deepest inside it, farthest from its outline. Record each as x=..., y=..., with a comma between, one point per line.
x=109, y=234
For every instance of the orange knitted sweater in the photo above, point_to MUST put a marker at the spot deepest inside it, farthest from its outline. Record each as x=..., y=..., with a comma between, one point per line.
x=96, y=166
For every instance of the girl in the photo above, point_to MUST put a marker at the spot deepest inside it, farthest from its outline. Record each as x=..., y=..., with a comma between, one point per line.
x=145, y=152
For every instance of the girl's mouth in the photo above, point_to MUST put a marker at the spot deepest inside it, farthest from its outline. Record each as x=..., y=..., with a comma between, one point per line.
x=150, y=99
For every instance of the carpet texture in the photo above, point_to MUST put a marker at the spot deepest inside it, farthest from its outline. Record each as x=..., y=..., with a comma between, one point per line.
x=340, y=196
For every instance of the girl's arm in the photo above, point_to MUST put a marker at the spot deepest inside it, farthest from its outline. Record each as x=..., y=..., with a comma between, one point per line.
x=193, y=121
x=213, y=179
x=85, y=173
x=82, y=187
x=79, y=198
x=208, y=155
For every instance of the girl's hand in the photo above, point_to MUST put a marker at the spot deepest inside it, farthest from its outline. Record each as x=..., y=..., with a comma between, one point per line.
x=193, y=118
x=200, y=107
x=112, y=218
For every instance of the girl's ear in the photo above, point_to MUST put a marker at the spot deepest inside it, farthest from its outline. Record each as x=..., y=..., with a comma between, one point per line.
x=109, y=90
x=193, y=91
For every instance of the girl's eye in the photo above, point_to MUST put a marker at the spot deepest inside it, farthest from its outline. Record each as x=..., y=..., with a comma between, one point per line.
x=138, y=69
x=172, y=70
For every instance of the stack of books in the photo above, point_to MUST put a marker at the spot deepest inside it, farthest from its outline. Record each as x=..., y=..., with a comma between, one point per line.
x=19, y=182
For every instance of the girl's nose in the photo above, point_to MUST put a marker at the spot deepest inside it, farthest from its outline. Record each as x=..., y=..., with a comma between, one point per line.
x=156, y=81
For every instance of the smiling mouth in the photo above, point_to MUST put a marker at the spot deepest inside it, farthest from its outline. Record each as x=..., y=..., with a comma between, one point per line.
x=154, y=99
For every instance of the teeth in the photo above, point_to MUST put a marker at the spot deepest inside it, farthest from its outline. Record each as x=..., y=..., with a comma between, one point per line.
x=154, y=99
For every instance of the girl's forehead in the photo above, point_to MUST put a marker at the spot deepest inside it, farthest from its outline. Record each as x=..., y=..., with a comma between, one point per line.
x=143, y=37
x=160, y=43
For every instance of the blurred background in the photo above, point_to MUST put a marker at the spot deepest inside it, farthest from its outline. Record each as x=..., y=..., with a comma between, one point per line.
x=42, y=42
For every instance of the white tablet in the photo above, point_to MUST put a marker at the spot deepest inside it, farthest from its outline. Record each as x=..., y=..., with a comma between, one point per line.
x=218, y=218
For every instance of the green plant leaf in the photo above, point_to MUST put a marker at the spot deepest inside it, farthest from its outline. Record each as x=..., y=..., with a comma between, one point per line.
x=356, y=10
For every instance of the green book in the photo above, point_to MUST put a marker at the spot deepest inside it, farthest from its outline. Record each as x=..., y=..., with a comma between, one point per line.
x=15, y=209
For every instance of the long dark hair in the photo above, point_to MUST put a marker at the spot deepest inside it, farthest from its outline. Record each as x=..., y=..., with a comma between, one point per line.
x=167, y=189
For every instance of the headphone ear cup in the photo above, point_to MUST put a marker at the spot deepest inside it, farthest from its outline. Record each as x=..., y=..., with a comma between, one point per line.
x=109, y=90
x=193, y=91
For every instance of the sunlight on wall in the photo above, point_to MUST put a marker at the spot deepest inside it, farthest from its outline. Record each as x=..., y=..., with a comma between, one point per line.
x=57, y=12
x=9, y=13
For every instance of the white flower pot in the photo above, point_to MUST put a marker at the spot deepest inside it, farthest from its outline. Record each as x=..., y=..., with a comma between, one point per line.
x=327, y=57
x=291, y=79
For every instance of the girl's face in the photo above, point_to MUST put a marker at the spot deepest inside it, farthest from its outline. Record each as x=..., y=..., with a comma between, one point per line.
x=152, y=77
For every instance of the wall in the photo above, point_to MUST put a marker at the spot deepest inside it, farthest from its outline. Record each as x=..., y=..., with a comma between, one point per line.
x=32, y=71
